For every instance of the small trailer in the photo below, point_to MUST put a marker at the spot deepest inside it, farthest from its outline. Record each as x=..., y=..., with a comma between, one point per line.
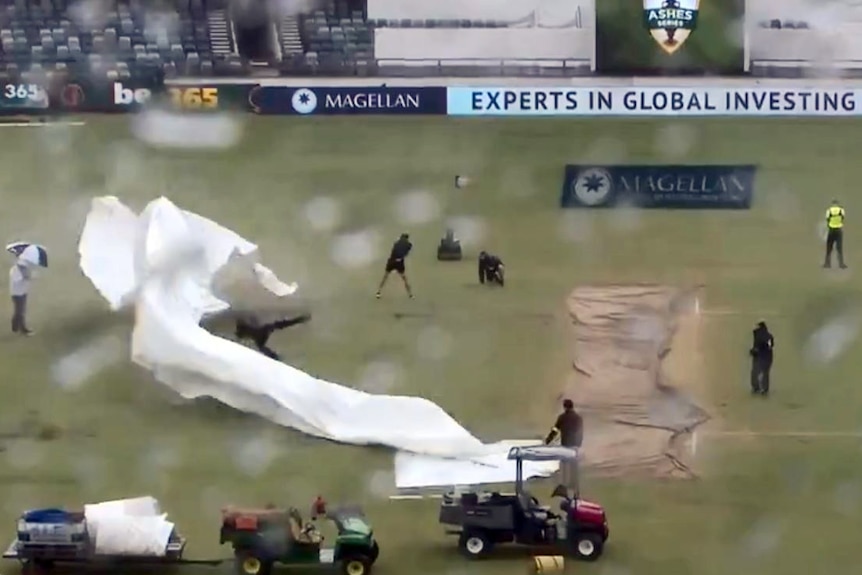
x=47, y=537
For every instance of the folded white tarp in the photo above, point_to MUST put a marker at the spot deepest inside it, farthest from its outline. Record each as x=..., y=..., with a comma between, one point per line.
x=129, y=527
x=164, y=261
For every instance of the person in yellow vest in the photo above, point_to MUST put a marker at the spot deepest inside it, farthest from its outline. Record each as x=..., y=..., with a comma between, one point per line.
x=835, y=234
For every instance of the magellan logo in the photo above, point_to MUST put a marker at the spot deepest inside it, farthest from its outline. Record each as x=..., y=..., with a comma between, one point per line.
x=670, y=22
x=127, y=96
x=593, y=186
x=304, y=101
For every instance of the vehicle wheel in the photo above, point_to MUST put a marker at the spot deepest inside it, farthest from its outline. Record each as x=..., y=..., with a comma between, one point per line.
x=588, y=546
x=356, y=565
x=37, y=566
x=250, y=564
x=375, y=553
x=474, y=544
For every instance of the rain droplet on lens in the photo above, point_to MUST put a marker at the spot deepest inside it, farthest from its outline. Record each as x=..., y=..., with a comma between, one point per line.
x=575, y=227
x=356, y=249
x=434, y=343
x=74, y=369
x=417, y=207
x=675, y=141
x=255, y=455
x=763, y=537
x=470, y=230
x=846, y=498
x=379, y=376
x=381, y=484
x=24, y=454
x=832, y=339
x=323, y=213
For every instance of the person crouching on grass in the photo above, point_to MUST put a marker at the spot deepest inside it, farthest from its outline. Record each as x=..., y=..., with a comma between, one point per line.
x=400, y=250
x=491, y=269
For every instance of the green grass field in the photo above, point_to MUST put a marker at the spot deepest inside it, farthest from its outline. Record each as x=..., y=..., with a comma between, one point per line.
x=771, y=504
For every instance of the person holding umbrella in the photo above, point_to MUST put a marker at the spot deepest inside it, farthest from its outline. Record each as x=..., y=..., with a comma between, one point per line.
x=20, y=277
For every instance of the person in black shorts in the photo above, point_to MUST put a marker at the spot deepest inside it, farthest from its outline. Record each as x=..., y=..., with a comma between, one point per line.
x=400, y=250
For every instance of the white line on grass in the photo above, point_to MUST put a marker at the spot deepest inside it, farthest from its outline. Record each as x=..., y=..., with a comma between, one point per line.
x=745, y=433
x=40, y=124
x=414, y=497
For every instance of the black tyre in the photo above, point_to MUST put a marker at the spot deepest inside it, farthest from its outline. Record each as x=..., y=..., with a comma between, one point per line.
x=37, y=566
x=588, y=546
x=251, y=564
x=474, y=544
x=356, y=565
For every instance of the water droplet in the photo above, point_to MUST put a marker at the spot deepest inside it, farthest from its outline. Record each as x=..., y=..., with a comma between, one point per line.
x=254, y=456
x=162, y=129
x=74, y=369
x=470, y=230
x=417, y=207
x=575, y=226
x=355, y=250
x=24, y=454
x=381, y=484
x=833, y=338
x=434, y=343
x=323, y=214
x=379, y=376
x=675, y=141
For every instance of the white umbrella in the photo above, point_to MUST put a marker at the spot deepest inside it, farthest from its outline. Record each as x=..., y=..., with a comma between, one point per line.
x=29, y=253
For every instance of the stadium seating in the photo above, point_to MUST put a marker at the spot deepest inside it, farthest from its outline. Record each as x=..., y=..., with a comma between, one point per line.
x=793, y=38
x=128, y=38
x=334, y=40
x=119, y=39
x=338, y=39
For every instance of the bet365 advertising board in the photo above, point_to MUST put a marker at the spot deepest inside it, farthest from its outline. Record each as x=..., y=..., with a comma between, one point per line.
x=670, y=37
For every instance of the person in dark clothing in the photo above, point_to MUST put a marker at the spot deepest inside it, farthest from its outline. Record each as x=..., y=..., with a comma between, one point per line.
x=491, y=269
x=400, y=250
x=250, y=328
x=569, y=426
x=761, y=359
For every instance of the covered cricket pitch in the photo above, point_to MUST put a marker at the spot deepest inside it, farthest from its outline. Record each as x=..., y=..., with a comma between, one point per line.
x=772, y=486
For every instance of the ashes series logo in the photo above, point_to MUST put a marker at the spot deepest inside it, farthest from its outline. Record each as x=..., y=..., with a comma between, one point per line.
x=670, y=22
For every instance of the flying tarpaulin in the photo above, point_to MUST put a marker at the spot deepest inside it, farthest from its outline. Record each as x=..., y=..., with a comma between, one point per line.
x=163, y=262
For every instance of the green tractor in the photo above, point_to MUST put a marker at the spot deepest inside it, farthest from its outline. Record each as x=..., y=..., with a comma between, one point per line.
x=263, y=537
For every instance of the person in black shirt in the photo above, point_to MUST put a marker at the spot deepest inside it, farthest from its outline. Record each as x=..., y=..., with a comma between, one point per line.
x=249, y=328
x=490, y=269
x=400, y=250
x=761, y=359
x=569, y=426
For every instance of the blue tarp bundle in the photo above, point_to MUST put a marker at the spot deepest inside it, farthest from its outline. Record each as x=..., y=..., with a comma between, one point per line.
x=47, y=516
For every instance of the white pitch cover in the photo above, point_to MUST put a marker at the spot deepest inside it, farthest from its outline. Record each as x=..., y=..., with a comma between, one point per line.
x=163, y=262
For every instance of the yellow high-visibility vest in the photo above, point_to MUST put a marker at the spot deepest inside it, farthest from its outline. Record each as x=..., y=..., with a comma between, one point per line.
x=835, y=217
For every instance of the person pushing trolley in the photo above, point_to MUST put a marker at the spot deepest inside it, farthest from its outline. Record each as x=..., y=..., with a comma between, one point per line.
x=834, y=234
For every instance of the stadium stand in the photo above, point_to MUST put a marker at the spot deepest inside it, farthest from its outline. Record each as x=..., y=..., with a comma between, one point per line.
x=792, y=38
x=117, y=40
x=450, y=37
